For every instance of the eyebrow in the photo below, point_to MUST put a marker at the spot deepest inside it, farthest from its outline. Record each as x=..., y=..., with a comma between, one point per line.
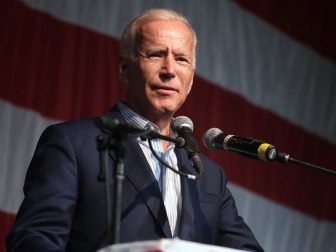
x=164, y=50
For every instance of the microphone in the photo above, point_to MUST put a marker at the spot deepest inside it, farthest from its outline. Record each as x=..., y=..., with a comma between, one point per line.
x=183, y=127
x=214, y=138
x=114, y=124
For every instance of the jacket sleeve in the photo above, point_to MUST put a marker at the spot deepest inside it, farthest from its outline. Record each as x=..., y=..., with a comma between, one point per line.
x=233, y=231
x=44, y=218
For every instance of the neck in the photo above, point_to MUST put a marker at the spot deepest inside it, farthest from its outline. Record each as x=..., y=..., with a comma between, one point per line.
x=162, y=120
x=164, y=126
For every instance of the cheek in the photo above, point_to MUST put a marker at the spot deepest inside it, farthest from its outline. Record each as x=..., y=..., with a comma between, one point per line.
x=152, y=75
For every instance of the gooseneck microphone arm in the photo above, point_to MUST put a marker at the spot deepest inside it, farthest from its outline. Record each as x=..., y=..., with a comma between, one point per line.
x=150, y=134
x=189, y=176
x=286, y=158
x=183, y=127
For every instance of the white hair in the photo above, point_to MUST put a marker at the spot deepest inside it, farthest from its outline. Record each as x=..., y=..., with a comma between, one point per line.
x=130, y=36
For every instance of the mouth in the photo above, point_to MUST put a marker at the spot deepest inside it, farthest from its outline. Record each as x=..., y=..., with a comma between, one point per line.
x=166, y=90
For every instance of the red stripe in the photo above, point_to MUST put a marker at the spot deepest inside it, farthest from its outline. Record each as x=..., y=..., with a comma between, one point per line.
x=73, y=73
x=60, y=70
x=6, y=221
x=312, y=22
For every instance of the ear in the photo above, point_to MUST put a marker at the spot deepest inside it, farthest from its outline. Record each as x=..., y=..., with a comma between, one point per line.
x=191, y=83
x=123, y=69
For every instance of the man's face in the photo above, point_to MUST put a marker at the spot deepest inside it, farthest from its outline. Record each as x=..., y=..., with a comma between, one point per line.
x=161, y=77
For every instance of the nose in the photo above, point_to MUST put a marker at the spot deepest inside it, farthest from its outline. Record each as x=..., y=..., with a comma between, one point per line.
x=168, y=68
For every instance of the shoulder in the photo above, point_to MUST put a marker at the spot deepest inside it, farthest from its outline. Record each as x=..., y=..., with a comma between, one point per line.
x=213, y=177
x=211, y=166
x=72, y=130
x=78, y=129
x=75, y=126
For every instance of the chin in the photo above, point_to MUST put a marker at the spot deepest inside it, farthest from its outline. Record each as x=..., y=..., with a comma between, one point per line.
x=165, y=109
x=170, y=110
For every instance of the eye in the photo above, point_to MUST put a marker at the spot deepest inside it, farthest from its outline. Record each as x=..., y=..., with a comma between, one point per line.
x=182, y=59
x=154, y=55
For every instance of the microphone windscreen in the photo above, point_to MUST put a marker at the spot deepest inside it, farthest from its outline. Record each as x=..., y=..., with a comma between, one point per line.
x=210, y=136
x=107, y=122
x=181, y=121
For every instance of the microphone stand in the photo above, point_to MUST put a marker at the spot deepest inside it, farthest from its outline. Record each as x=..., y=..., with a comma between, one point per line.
x=102, y=146
x=117, y=143
x=119, y=147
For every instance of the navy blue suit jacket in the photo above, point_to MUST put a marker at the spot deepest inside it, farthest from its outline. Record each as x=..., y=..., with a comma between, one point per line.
x=65, y=210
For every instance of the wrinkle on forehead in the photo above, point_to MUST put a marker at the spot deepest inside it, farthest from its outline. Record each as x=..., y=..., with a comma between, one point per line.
x=159, y=33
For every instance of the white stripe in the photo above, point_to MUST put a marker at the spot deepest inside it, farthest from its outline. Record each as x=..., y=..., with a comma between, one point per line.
x=20, y=130
x=238, y=51
x=280, y=228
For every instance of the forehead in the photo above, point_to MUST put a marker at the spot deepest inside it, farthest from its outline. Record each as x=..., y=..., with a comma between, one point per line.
x=172, y=31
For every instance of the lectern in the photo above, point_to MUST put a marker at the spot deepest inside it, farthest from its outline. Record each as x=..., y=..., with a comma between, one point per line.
x=165, y=245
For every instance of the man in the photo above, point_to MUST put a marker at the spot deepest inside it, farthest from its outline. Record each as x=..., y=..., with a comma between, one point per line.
x=64, y=207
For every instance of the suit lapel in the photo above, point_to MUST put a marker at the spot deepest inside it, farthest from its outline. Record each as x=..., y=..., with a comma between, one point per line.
x=139, y=173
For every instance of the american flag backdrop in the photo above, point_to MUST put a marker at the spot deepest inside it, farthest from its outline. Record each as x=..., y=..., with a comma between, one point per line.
x=265, y=69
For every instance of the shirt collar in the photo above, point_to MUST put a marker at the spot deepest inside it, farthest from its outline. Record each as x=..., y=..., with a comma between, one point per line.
x=135, y=119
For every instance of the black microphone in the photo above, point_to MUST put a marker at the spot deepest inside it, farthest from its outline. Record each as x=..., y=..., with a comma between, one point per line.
x=183, y=127
x=257, y=149
x=114, y=124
